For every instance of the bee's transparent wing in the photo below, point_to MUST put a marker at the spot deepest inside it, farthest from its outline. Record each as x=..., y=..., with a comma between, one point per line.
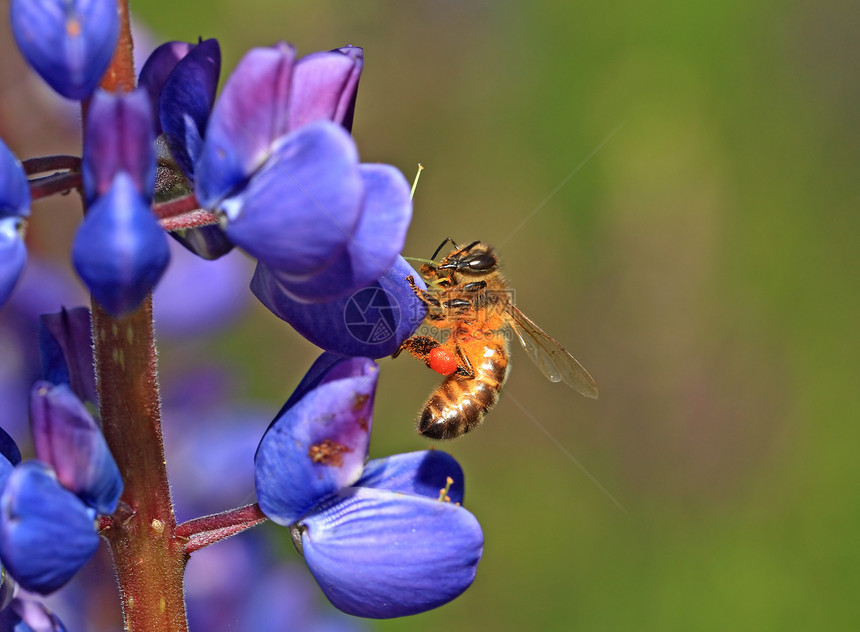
x=552, y=359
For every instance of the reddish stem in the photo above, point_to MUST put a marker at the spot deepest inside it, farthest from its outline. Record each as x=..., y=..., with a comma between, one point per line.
x=41, y=164
x=208, y=530
x=165, y=210
x=193, y=219
x=148, y=555
x=55, y=183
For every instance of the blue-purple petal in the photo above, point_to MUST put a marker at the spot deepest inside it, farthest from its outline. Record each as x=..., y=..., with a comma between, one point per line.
x=119, y=137
x=378, y=239
x=66, y=351
x=324, y=87
x=66, y=437
x=120, y=251
x=10, y=456
x=9, y=449
x=300, y=211
x=68, y=42
x=318, y=445
x=323, y=370
x=381, y=554
x=372, y=321
x=157, y=68
x=348, y=115
x=186, y=101
x=14, y=189
x=46, y=532
x=251, y=113
x=13, y=255
x=424, y=473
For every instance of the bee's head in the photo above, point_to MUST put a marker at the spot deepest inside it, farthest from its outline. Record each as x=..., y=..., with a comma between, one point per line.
x=476, y=258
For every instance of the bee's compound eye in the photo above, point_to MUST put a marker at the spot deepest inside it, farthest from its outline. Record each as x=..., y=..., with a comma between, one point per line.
x=483, y=261
x=442, y=361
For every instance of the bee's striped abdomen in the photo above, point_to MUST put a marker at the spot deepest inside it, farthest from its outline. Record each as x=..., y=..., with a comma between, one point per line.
x=459, y=404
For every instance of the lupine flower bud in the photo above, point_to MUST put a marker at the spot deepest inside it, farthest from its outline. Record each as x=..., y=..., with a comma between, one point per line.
x=120, y=251
x=66, y=437
x=119, y=138
x=157, y=69
x=68, y=42
x=185, y=101
x=13, y=254
x=14, y=205
x=46, y=532
x=14, y=189
x=66, y=351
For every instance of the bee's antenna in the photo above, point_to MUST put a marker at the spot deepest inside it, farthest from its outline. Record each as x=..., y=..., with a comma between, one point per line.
x=415, y=182
x=447, y=239
x=469, y=247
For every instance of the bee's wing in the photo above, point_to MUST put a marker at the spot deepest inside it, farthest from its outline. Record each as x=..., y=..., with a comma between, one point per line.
x=552, y=359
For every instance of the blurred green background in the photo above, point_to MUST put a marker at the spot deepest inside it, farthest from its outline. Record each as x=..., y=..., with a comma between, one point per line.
x=674, y=190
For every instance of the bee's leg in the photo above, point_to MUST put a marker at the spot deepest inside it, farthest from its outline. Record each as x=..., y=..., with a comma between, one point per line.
x=473, y=287
x=457, y=305
x=465, y=368
x=419, y=346
x=424, y=295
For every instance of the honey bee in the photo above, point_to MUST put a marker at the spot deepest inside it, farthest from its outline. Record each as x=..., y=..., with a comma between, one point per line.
x=469, y=301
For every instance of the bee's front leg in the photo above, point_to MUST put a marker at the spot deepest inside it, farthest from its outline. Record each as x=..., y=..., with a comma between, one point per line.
x=423, y=295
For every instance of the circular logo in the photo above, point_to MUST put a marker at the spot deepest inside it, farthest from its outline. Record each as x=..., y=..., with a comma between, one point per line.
x=371, y=315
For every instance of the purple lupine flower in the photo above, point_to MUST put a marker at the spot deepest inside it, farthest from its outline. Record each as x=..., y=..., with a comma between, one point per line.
x=14, y=206
x=68, y=42
x=286, y=181
x=120, y=251
x=370, y=535
x=48, y=506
